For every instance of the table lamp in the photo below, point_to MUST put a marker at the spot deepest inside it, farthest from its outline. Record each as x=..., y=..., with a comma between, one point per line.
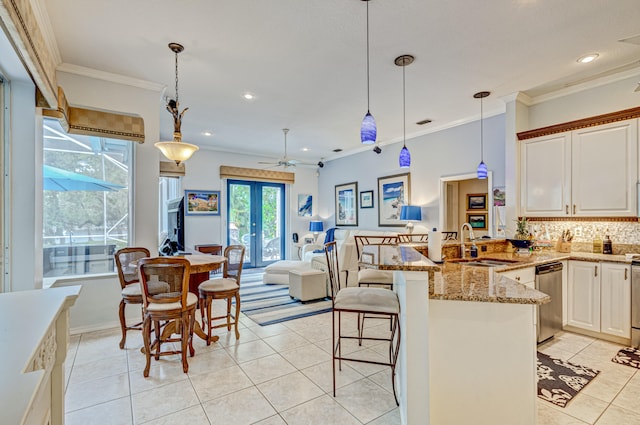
x=410, y=213
x=316, y=227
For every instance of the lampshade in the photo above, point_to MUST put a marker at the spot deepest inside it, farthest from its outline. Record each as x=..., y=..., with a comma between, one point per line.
x=316, y=226
x=411, y=212
x=405, y=158
x=176, y=150
x=368, y=130
x=482, y=170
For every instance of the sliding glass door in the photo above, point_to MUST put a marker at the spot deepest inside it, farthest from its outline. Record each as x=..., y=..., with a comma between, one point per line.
x=256, y=220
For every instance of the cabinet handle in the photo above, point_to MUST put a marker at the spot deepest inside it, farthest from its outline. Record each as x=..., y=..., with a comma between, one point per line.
x=596, y=271
x=574, y=209
x=566, y=209
x=625, y=273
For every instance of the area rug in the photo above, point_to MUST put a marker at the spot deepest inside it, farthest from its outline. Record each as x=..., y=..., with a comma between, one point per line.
x=267, y=304
x=559, y=381
x=628, y=357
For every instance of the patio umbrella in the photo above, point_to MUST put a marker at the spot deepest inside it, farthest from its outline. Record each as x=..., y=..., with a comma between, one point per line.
x=64, y=181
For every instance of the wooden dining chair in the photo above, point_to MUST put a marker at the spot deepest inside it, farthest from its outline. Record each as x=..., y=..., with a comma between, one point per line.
x=126, y=263
x=421, y=238
x=368, y=251
x=361, y=300
x=168, y=313
x=226, y=287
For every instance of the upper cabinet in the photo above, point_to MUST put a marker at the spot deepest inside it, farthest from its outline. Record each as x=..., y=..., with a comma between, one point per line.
x=589, y=172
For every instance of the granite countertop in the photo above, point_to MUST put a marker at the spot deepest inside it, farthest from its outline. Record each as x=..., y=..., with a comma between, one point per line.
x=453, y=280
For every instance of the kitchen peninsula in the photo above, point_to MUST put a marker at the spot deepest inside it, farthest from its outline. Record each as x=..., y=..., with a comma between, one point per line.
x=468, y=342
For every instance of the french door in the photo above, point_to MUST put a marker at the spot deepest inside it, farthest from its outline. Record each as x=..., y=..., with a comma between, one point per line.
x=256, y=220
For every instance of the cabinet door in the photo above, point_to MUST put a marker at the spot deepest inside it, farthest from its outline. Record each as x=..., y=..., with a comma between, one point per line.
x=604, y=170
x=583, y=295
x=525, y=276
x=615, y=292
x=545, y=176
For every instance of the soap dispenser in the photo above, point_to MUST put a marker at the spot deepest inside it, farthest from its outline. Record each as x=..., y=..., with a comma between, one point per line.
x=606, y=246
x=597, y=245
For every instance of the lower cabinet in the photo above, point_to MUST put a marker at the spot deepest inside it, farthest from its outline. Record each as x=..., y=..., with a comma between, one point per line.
x=525, y=276
x=599, y=297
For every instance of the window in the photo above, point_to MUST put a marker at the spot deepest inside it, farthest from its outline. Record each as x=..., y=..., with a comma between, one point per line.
x=169, y=189
x=86, y=201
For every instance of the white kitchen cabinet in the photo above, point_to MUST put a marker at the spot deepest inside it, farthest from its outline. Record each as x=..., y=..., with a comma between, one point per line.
x=583, y=295
x=586, y=172
x=526, y=276
x=615, y=298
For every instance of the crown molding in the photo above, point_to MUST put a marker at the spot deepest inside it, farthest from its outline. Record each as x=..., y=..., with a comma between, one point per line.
x=518, y=97
x=110, y=77
x=42, y=16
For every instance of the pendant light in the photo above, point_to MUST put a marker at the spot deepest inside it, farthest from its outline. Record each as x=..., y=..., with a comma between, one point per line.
x=405, y=156
x=176, y=150
x=482, y=167
x=368, y=130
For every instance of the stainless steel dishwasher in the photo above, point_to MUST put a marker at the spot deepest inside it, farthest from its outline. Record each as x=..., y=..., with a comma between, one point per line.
x=549, y=281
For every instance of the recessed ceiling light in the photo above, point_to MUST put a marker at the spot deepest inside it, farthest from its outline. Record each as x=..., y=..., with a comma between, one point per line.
x=305, y=149
x=207, y=133
x=248, y=96
x=588, y=58
x=337, y=150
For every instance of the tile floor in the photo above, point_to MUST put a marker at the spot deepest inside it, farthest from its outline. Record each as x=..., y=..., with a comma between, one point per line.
x=281, y=374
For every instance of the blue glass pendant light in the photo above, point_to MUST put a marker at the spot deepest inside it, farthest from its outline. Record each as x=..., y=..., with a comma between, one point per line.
x=482, y=167
x=405, y=156
x=368, y=130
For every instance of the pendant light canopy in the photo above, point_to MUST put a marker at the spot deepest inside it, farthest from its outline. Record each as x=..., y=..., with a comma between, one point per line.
x=176, y=150
x=368, y=129
x=482, y=167
x=405, y=156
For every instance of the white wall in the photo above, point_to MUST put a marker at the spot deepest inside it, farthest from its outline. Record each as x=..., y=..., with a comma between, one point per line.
x=449, y=152
x=203, y=173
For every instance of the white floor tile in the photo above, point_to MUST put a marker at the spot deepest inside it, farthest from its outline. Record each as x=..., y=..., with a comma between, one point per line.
x=115, y=412
x=243, y=407
x=90, y=393
x=219, y=383
x=162, y=401
x=191, y=416
x=267, y=368
x=319, y=411
x=289, y=391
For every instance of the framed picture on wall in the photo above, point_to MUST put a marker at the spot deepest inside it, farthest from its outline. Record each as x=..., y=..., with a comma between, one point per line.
x=366, y=199
x=393, y=193
x=477, y=221
x=202, y=202
x=305, y=205
x=347, y=204
x=477, y=201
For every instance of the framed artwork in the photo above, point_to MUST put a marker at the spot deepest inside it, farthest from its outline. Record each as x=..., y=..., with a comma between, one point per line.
x=202, y=202
x=477, y=201
x=477, y=221
x=393, y=193
x=498, y=197
x=305, y=205
x=347, y=204
x=366, y=199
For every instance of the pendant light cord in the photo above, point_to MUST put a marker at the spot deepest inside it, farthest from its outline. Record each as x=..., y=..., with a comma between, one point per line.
x=404, y=107
x=177, y=103
x=367, y=1
x=481, y=133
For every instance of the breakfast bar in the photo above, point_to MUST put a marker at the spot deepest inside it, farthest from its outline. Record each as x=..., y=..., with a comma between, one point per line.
x=469, y=342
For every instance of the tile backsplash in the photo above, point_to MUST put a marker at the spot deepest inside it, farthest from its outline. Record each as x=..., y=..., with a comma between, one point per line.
x=621, y=233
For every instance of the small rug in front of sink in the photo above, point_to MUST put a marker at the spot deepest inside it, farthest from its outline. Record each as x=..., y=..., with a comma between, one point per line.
x=628, y=357
x=559, y=381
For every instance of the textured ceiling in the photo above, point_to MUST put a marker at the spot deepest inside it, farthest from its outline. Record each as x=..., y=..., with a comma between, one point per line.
x=305, y=61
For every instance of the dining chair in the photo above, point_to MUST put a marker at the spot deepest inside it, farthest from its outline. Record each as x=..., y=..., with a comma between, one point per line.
x=413, y=237
x=368, y=251
x=169, y=313
x=126, y=263
x=360, y=300
x=226, y=287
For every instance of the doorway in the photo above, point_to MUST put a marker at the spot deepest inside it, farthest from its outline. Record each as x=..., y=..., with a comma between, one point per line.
x=256, y=220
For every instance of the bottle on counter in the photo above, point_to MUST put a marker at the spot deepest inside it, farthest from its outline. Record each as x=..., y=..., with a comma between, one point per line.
x=474, y=251
x=606, y=246
x=597, y=245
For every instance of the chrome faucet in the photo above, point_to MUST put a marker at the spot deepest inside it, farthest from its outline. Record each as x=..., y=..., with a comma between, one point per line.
x=471, y=238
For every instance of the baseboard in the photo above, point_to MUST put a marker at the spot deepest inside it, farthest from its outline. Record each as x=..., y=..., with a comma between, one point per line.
x=598, y=335
x=93, y=328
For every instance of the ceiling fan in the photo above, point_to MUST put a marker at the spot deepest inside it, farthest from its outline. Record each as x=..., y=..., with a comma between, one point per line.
x=285, y=161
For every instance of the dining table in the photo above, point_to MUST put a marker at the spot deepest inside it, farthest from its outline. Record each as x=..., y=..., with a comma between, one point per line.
x=201, y=265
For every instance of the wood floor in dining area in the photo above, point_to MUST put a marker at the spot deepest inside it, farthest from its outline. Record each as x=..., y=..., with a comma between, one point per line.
x=281, y=374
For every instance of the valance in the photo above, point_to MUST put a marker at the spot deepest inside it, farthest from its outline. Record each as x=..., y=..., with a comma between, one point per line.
x=227, y=172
